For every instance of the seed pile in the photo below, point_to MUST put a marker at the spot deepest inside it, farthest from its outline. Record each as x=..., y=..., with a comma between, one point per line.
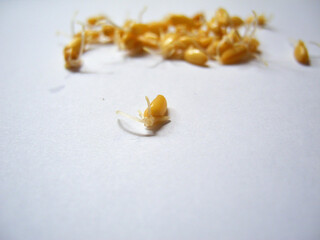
x=178, y=37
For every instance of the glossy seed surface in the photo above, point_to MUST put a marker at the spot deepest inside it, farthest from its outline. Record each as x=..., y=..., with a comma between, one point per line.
x=158, y=107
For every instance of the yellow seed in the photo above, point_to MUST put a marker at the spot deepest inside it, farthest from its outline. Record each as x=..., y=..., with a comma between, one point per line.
x=212, y=49
x=138, y=28
x=108, y=30
x=199, y=17
x=301, y=53
x=233, y=55
x=198, y=20
x=72, y=54
x=195, y=56
x=204, y=41
x=236, y=21
x=222, y=17
x=185, y=41
x=158, y=27
x=91, y=36
x=252, y=44
x=202, y=33
x=178, y=19
x=72, y=50
x=182, y=30
x=168, y=39
x=234, y=36
x=224, y=45
x=130, y=42
x=95, y=19
x=167, y=45
x=149, y=40
x=178, y=54
x=216, y=29
x=158, y=107
x=261, y=20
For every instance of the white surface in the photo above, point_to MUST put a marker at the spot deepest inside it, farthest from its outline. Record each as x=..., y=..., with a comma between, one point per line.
x=239, y=160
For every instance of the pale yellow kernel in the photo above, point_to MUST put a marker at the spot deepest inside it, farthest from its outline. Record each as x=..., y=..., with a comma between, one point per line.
x=301, y=53
x=233, y=55
x=195, y=56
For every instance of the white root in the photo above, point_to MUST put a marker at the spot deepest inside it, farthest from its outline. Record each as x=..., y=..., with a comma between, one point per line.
x=82, y=38
x=77, y=63
x=129, y=116
x=145, y=8
x=72, y=23
x=149, y=106
x=254, y=24
x=315, y=43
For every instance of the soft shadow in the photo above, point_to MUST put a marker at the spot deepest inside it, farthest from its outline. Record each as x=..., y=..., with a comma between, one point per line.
x=84, y=72
x=196, y=65
x=244, y=61
x=269, y=28
x=150, y=131
x=155, y=128
x=133, y=132
x=93, y=72
x=57, y=89
x=136, y=55
x=156, y=64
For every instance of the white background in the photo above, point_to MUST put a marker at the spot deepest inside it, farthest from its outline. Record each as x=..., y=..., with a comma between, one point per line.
x=240, y=158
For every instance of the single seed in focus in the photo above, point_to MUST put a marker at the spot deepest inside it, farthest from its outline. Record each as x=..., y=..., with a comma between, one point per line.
x=156, y=112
